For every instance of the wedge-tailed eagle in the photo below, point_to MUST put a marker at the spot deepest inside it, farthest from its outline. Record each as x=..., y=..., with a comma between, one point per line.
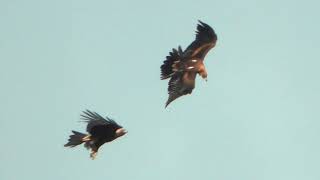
x=183, y=66
x=100, y=130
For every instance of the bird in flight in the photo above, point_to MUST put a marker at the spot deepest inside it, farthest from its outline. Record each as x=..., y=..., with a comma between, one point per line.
x=100, y=130
x=183, y=66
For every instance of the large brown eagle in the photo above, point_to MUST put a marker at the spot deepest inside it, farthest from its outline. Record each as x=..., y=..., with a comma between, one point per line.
x=100, y=131
x=183, y=66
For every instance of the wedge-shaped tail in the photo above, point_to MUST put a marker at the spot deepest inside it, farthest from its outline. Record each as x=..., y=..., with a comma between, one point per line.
x=76, y=138
x=169, y=66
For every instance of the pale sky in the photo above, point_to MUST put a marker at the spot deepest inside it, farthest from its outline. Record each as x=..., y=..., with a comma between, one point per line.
x=257, y=117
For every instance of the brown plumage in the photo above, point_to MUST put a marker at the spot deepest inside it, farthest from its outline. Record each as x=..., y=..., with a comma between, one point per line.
x=183, y=66
x=101, y=130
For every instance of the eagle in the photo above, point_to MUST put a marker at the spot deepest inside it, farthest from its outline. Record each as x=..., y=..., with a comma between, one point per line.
x=100, y=130
x=182, y=67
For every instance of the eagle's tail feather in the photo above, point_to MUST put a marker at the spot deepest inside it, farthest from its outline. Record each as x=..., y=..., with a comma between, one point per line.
x=77, y=138
x=170, y=64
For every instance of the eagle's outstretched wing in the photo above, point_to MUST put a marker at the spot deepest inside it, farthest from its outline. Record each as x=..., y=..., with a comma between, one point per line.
x=94, y=119
x=180, y=84
x=205, y=40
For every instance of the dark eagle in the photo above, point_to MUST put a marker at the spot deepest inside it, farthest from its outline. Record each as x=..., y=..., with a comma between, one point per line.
x=100, y=131
x=183, y=66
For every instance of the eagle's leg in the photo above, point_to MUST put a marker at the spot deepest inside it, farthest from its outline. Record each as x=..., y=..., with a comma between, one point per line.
x=93, y=154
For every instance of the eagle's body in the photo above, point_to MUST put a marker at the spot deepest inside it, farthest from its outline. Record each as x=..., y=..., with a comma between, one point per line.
x=183, y=66
x=100, y=131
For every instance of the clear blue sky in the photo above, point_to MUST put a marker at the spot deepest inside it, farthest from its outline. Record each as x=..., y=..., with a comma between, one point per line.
x=257, y=117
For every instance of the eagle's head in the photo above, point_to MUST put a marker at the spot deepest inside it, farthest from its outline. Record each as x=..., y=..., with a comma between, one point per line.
x=204, y=74
x=120, y=132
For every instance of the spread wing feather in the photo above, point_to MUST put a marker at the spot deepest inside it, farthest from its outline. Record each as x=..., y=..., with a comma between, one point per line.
x=94, y=119
x=175, y=84
x=178, y=86
x=205, y=40
x=166, y=68
x=175, y=62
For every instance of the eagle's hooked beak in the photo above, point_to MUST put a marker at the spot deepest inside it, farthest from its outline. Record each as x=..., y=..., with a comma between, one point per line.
x=125, y=131
x=120, y=132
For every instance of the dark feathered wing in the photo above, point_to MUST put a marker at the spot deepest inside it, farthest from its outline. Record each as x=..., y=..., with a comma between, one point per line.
x=166, y=67
x=174, y=86
x=180, y=85
x=205, y=40
x=94, y=119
